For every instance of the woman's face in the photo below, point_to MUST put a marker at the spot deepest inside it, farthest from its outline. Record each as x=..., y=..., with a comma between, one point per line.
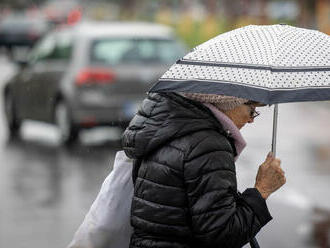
x=242, y=114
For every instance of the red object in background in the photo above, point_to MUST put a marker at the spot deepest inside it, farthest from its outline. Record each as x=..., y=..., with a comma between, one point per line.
x=89, y=121
x=74, y=16
x=94, y=75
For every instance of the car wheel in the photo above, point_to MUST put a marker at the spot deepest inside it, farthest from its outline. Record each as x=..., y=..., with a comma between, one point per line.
x=13, y=123
x=68, y=132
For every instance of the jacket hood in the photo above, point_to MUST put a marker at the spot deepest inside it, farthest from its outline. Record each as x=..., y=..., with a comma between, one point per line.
x=163, y=117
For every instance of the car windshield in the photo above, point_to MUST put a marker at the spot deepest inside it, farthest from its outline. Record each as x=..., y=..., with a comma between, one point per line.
x=135, y=51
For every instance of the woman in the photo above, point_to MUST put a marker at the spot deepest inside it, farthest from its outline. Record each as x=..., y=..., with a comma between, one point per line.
x=185, y=147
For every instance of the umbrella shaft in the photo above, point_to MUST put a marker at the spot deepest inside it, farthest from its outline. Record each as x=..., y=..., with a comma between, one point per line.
x=274, y=129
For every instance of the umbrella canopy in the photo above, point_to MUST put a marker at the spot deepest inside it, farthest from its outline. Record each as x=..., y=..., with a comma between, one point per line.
x=269, y=64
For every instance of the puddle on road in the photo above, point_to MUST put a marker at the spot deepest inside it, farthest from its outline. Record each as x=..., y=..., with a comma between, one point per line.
x=49, y=134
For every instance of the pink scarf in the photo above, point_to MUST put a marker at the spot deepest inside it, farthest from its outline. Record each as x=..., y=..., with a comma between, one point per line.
x=229, y=127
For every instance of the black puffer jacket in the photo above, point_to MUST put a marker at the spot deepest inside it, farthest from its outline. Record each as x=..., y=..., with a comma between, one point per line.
x=185, y=192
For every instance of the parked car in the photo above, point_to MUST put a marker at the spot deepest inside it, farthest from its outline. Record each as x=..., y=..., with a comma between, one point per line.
x=22, y=30
x=89, y=75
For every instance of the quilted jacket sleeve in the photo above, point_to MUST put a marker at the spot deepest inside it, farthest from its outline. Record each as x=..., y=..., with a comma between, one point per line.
x=220, y=216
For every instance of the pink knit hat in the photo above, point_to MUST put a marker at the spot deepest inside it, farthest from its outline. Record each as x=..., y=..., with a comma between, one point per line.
x=222, y=102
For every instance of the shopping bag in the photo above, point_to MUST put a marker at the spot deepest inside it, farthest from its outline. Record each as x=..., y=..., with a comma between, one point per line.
x=107, y=223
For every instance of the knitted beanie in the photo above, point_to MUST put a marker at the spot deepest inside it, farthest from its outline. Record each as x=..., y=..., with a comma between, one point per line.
x=221, y=102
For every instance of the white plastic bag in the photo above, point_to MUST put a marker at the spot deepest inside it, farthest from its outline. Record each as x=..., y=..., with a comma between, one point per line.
x=107, y=223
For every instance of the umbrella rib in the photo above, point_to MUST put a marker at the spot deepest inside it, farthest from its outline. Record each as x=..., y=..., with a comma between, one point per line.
x=253, y=66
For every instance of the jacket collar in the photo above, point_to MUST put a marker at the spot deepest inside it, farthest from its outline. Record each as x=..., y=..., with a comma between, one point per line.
x=230, y=128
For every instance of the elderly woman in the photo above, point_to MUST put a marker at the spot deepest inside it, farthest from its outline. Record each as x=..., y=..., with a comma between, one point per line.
x=185, y=147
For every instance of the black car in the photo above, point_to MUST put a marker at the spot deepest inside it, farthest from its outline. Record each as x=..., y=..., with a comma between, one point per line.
x=89, y=75
x=22, y=30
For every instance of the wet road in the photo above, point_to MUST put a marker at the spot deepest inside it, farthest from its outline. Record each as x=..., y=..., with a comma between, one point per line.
x=46, y=189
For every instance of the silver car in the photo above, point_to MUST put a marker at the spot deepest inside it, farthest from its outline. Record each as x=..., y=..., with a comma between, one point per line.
x=89, y=75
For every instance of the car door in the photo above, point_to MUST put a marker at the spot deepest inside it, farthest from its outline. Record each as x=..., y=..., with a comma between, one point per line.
x=55, y=65
x=26, y=84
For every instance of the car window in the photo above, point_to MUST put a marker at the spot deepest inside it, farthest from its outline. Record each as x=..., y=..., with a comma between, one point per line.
x=43, y=49
x=134, y=51
x=62, y=49
x=53, y=47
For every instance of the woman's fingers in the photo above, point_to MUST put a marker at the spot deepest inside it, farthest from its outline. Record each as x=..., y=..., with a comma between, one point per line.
x=270, y=176
x=269, y=158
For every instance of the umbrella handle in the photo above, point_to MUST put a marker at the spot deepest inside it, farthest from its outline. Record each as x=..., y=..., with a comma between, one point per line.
x=275, y=117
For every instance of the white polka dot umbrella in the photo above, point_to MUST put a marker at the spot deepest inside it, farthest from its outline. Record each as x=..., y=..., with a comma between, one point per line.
x=269, y=64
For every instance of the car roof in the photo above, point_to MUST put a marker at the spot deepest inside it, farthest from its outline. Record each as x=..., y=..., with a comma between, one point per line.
x=120, y=29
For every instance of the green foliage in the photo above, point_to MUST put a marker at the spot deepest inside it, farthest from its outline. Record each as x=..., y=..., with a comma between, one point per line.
x=198, y=31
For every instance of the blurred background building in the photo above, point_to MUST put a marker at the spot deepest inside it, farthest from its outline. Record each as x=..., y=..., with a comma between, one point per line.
x=194, y=20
